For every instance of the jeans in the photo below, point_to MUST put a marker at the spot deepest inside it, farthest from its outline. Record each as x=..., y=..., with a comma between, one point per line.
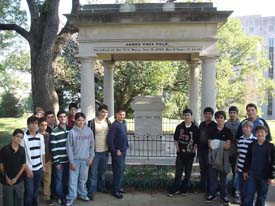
x=233, y=161
x=254, y=185
x=78, y=179
x=13, y=195
x=47, y=180
x=61, y=180
x=241, y=186
x=185, y=164
x=118, y=167
x=213, y=178
x=97, y=171
x=32, y=188
x=203, y=162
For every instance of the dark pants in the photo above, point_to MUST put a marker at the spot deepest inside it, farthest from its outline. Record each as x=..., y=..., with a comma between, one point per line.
x=62, y=180
x=242, y=187
x=252, y=186
x=183, y=164
x=118, y=167
x=203, y=161
x=214, y=174
x=233, y=161
x=13, y=195
x=32, y=188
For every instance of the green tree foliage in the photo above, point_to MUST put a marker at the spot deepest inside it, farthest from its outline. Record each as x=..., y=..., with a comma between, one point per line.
x=176, y=95
x=11, y=68
x=10, y=13
x=141, y=78
x=9, y=105
x=240, y=67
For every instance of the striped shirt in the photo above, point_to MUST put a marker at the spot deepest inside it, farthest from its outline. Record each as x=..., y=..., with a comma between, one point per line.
x=35, y=152
x=242, y=150
x=58, y=145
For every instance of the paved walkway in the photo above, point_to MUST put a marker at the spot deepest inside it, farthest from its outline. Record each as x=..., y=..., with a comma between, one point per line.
x=139, y=198
x=135, y=198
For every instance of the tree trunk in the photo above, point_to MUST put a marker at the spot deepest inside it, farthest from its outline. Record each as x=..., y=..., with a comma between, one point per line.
x=45, y=45
x=42, y=44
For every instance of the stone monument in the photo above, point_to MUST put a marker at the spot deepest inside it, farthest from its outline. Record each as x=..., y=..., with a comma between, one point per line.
x=148, y=115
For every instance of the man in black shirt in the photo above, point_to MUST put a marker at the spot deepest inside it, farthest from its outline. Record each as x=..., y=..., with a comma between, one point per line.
x=206, y=132
x=12, y=165
x=185, y=138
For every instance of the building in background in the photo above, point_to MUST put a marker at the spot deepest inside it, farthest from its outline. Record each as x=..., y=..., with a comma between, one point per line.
x=264, y=27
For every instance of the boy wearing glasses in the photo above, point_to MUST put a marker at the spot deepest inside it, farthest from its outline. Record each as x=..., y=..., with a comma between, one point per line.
x=12, y=165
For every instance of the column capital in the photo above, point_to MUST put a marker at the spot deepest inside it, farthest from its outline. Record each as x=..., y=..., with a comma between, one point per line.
x=194, y=63
x=108, y=64
x=86, y=57
x=209, y=57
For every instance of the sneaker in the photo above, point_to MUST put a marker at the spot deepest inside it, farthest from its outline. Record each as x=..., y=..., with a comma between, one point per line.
x=49, y=202
x=225, y=200
x=61, y=201
x=237, y=200
x=171, y=194
x=91, y=197
x=122, y=191
x=83, y=198
x=184, y=193
x=210, y=198
x=117, y=195
x=69, y=202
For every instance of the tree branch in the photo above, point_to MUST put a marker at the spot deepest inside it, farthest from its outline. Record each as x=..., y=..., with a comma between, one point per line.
x=18, y=29
x=67, y=31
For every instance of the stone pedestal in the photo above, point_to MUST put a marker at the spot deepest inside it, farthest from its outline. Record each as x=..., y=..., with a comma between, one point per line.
x=148, y=115
x=148, y=125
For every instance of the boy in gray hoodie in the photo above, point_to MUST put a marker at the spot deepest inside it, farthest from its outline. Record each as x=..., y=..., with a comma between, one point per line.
x=80, y=150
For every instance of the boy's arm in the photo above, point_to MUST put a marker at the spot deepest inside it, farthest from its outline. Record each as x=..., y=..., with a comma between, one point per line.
x=53, y=148
x=176, y=138
x=272, y=166
x=268, y=136
x=248, y=159
x=69, y=148
x=92, y=148
x=195, y=139
x=14, y=180
x=111, y=137
x=1, y=163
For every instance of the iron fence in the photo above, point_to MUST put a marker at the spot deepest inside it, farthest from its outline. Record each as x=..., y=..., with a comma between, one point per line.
x=151, y=146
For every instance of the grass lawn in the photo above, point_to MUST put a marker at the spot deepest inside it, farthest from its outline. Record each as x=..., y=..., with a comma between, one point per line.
x=7, y=125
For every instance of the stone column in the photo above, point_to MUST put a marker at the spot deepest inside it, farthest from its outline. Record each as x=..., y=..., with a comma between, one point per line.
x=109, y=86
x=208, y=85
x=193, y=95
x=87, y=87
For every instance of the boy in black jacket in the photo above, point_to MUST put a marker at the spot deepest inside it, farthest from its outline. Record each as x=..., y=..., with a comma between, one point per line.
x=185, y=138
x=259, y=168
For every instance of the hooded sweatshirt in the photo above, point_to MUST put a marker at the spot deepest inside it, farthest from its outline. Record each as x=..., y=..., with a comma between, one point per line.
x=80, y=144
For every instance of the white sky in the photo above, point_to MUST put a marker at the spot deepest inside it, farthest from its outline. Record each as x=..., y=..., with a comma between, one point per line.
x=240, y=7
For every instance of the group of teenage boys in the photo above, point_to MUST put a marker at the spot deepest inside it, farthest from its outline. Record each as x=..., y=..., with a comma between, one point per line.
x=244, y=147
x=67, y=160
